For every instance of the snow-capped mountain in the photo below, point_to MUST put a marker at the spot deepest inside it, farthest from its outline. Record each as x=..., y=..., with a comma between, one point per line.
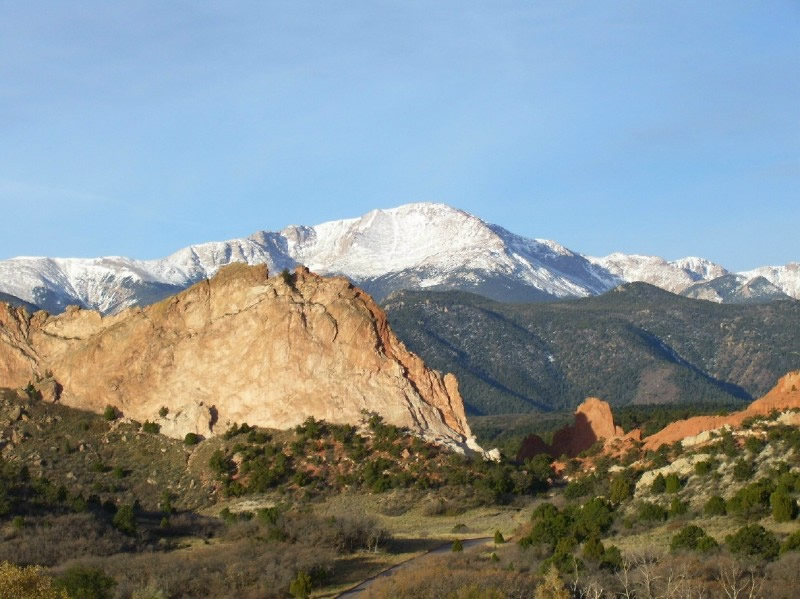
x=673, y=276
x=418, y=246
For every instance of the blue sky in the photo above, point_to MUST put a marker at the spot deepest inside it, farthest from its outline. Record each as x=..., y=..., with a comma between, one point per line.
x=136, y=128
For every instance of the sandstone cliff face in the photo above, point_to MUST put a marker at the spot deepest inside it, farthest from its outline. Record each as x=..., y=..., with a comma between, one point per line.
x=593, y=422
x=784, y=396
x=241, y=347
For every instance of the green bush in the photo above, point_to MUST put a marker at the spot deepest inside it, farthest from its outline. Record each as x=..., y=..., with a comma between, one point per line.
x=151, y=427
x=457, y=546
x=110, y=413
x=743, y=470
x=125, y=520
x=715, y=506
x=594, y=518
x=498, y=538
x=593, y=550
x=792, y=542
x=612, y=559
x=659, y=484
x=300, y=587
x=621, y=489
x=752, y=499
x=784, y=508
x=673, y=483
x=579, y=488
x=702, y=468
x=191, y=439
x=678, y=507
x=651, y=512
x=753, y=541
x=83, y=582
x=692, y=538
x=163, y=411
x=754, y=445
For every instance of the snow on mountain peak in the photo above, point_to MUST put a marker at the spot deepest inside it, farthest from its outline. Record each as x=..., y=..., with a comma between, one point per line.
x=419, y=245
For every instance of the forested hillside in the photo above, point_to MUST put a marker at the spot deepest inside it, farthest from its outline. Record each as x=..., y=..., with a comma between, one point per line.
x=636, y=344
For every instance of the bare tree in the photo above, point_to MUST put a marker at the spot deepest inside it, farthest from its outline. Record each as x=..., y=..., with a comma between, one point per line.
x=739, y=582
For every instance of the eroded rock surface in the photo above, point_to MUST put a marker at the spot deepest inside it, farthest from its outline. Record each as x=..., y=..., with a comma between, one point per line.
x=784, y=396
x=241, y=347
x=593, y=422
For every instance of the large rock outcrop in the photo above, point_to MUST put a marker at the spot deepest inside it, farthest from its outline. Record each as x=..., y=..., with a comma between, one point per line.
x=784, y=396
x=241, y=347
x=593, y=422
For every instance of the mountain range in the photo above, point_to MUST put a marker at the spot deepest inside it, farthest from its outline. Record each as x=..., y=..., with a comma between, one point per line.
x=637, y=344
x=415, y=246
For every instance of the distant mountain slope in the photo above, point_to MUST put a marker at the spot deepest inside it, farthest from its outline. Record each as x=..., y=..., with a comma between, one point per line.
x=736, y=289
x=15, y=301
x=636, y=344
x=416, y=246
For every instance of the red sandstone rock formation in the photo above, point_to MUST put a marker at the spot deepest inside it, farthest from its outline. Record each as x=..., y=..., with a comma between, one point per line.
x=593, y=422
x=241, y=347
x=784, y=396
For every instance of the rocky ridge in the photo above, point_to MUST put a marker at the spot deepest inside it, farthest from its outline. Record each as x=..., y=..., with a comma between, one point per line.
x=241, y=347
x=416, y=246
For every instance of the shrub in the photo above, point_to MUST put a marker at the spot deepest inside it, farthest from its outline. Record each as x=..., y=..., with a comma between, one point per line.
x=593, y=550
x=678, y=507
x=783, y=506
x=692, y=538
x=673, y=483
x=743, y=470
x=163, y=411
x=659, y=484
x=300, y=587
x=498, y=538
x=612, y=559
x=151, y=427
x=754, y=541
x=754, y=445
x=220, y=463
x=110, y=413
x=702, y=468
x=594, y=518
x=621, y=489
x=83, y=582
x=752, y=499
x=579, y=488
x=191, y=439
x=27, y=583
x=792, y=542
x=651, y=512
x=457, y=546
x=715, y=506
x=125, y=520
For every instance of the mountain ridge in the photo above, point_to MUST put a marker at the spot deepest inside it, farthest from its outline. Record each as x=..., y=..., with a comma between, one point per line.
x=414, y=246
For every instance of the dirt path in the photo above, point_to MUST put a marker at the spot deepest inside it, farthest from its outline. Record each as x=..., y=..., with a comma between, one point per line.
x=445, y=547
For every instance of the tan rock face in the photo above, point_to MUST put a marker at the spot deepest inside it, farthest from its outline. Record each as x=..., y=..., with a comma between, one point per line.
x=241, y=347
x=593, y=422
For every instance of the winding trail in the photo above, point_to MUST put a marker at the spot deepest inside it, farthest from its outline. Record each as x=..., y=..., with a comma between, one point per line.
x=445, y=547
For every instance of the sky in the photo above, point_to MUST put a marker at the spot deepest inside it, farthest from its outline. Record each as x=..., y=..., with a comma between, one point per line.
x=667, y=128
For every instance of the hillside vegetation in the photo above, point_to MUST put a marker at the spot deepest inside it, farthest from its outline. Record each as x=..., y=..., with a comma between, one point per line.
x=634, y=345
